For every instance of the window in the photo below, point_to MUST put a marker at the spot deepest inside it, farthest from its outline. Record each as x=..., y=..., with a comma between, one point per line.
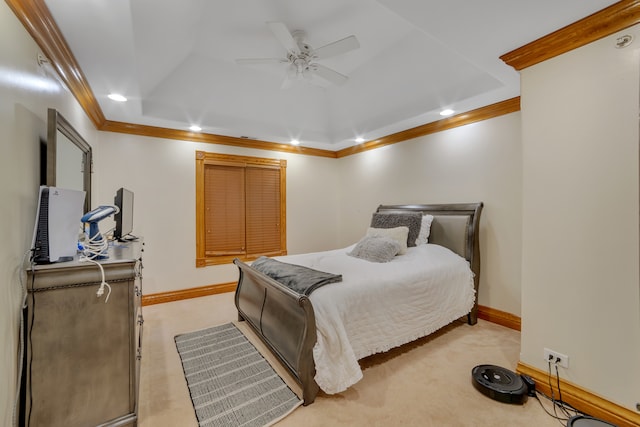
x=240, y=208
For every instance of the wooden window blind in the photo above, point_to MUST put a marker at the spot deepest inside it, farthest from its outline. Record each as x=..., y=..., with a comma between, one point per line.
x=240, y=208
x=263, y=211
x=224, y=218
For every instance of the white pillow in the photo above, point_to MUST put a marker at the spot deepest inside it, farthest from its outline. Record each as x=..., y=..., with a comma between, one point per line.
x=397, y=233
x=376, y=249
x=425, y=230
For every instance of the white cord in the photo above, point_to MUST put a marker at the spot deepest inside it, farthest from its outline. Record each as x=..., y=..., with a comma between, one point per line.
x=100, y=291
x=94, y=248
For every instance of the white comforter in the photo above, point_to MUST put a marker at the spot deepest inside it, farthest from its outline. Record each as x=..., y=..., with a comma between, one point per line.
x=379, y=306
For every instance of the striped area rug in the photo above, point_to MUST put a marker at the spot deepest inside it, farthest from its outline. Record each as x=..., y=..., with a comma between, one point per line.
x=229, y=381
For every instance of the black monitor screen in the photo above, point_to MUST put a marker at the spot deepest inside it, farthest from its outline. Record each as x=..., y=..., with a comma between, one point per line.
x=124, y=218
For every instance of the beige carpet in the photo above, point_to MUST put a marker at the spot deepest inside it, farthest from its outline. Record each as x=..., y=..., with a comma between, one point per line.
x=425, y=383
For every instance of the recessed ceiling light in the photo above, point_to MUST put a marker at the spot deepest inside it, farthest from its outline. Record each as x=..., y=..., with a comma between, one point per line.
x=447, y=112
x=117, y=97
x=359, y=140
x=295, y=142
x=195, y=128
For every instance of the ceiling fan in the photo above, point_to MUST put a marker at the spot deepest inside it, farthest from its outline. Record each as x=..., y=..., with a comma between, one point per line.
x=301, y=56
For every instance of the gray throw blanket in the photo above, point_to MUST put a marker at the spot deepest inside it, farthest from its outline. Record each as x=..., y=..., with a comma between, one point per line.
x=298, y=278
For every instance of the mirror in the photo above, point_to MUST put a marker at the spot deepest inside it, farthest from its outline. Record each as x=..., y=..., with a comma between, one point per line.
x=68, y=157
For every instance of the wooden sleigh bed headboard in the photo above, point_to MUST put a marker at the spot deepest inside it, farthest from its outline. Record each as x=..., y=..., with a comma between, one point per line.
x=285, y=320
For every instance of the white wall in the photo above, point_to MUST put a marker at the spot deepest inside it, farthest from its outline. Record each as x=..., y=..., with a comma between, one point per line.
x=477, y=162
x=580, y=277
x=26, y=92
x=161, y=173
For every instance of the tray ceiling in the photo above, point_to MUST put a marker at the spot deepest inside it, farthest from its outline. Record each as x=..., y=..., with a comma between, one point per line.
x=176, y=61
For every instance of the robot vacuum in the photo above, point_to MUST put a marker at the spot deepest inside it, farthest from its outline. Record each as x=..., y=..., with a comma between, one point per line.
x=501, y=384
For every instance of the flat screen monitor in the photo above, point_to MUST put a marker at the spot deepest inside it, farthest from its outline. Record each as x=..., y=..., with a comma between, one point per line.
x=124, y=218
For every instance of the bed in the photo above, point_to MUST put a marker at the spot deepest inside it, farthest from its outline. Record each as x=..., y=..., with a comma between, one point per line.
x=319, y=337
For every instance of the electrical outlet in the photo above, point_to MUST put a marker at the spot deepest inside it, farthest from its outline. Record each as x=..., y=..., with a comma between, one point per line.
x=555, y=357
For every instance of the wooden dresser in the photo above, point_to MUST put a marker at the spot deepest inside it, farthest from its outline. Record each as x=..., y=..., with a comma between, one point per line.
x=82, y=358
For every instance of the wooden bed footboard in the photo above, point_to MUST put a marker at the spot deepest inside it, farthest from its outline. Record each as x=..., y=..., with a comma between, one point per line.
x=284, y=320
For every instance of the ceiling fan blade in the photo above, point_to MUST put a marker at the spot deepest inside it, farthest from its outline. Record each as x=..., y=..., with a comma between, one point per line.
x=282, y=33
x=337, y=48
x=286, y=83
x=248, y=61
x=290, y=78
x=329, y=74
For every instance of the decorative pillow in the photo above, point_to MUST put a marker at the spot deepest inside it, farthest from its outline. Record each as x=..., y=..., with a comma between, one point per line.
x=399, y=234
x=425, y=230
x=376, y=249
x=413, y=220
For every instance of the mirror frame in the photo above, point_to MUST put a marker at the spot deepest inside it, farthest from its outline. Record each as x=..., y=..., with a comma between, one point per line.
x=56, y=122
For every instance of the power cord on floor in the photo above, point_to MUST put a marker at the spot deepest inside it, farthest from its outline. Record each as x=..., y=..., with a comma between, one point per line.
x=566, y=411
x=565, y=407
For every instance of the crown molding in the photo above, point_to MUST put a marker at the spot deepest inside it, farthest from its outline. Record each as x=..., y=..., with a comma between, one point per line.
x=37, y=20
x=616, y=17
x=490, y=111
x=181, y=135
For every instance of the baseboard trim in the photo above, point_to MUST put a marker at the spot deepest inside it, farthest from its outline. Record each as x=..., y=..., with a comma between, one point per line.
x=582, y=399
x=181, y=294
x=499, y=317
